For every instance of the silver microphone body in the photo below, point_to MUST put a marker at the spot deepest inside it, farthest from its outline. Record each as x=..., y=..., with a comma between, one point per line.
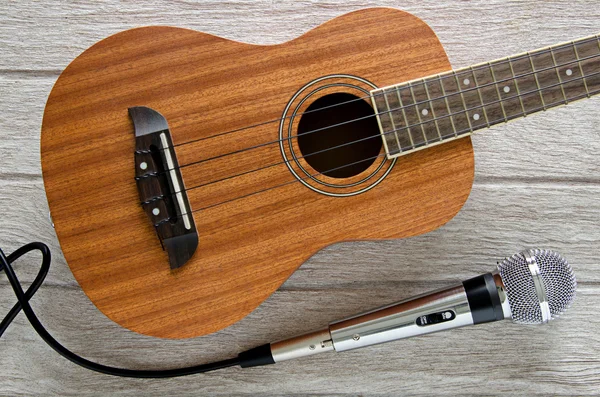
x=481, y=299
x=384, y=324
x=437, y=311
x=427, y=313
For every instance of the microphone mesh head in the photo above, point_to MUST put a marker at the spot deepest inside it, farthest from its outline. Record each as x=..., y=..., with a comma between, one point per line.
x=558, y=279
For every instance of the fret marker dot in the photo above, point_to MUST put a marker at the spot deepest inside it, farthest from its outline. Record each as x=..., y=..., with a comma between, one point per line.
x=143, y=165
x=569, y=72
x=466, y=81
x=425, y=112
x=507, y=89
x=476, y=116
x=155, y=211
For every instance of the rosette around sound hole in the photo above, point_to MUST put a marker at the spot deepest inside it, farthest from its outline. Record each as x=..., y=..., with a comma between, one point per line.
x=330, y=137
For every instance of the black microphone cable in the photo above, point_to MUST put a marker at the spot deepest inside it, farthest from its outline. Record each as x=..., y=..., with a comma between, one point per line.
x=253, y=357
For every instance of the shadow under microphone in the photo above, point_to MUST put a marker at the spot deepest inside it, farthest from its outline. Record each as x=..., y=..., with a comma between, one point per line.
x=531, y=287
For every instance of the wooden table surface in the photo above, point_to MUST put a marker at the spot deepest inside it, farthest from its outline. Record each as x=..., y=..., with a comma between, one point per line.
x=537, y=184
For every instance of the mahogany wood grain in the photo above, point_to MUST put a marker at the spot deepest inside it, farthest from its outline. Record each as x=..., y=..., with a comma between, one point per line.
x=205, y=85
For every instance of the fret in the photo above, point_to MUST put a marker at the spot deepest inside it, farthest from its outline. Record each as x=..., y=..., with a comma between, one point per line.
x=512, y=71
x=500, y=101
x=382, y=112
x=589, y=55
x=455, y=103
x=392, y=115
x=478, y=89
x=435, y=119
x=569, y=71
x=537, y=81
x=550, y=86
x=424, y=110
x=587, y=91
x=489, y=94
x=398, y=121
x=417, y=111
x=439, y=108
x=511, y=102
x=528, y=88
x=450, y=116
x=406, y=131
x=412, y=115
x=472, y=98
x=462, y=98
x=562, y=89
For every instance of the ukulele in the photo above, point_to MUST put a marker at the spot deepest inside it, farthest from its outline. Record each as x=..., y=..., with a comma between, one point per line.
x=188, y=175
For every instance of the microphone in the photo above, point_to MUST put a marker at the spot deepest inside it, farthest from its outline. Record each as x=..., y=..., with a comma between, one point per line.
x=531, y=287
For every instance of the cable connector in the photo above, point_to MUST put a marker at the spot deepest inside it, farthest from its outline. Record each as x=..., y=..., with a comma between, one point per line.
x=256, y=357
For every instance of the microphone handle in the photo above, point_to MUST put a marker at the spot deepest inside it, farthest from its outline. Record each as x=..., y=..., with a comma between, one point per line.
x=478, y=300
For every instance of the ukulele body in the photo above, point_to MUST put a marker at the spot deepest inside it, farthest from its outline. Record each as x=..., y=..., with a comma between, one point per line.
x=259, y=213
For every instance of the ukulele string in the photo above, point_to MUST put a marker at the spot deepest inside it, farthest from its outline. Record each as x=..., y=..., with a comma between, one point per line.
x=273, y=187
x=440, y=77
x=268, y=166
x=502, y=119
x=432, y=120
x=457, y=72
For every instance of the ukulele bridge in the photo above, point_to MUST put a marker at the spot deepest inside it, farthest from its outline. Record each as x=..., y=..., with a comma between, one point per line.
x=160, y=186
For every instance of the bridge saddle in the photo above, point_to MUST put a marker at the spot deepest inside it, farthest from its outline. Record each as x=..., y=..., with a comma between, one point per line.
x=160, y=186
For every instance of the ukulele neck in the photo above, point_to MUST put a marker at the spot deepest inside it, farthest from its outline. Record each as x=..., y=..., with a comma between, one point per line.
x=451, y=105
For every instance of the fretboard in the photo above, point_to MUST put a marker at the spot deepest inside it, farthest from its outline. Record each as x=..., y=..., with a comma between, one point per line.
x=435, y=109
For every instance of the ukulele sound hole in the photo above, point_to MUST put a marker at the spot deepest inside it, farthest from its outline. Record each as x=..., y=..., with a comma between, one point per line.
x=339, y=151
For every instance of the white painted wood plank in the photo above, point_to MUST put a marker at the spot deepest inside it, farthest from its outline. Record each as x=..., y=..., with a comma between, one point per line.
x=559, y=358
x=560, y=144
x=22, y=105
x=46, y=35
x=342, y=281
x=498, y=220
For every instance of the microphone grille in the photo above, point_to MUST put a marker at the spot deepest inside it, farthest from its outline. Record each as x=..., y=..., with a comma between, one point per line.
x=557, y=278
